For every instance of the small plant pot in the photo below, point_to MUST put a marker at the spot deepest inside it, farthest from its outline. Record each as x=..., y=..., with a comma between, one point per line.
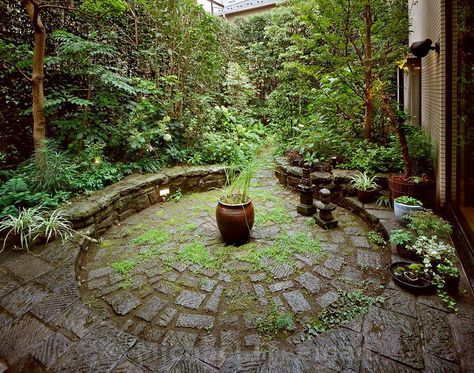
x=451, y=284
x=366, y=196
x=401, y=210
x=418, y=286
x=407, y=254
x=235, y=221
x=401, y=186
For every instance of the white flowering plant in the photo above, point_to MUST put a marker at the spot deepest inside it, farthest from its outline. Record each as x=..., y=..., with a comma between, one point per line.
x=439, y=262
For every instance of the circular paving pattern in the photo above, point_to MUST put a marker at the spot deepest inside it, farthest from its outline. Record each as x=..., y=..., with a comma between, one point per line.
x=165, y=275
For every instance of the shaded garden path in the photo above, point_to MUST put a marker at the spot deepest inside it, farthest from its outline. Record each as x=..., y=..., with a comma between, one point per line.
x=161, y=293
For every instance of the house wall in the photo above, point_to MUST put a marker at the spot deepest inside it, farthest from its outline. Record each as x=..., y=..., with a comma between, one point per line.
x=428, y=22
x=250, y=12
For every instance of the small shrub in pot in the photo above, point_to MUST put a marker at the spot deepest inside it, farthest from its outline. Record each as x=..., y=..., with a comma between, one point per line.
x=365, y=185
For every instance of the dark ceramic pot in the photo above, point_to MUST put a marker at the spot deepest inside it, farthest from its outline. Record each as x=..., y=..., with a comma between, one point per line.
x=401, y=186
x=421, y=286
x=451, y=284
x=235, y=222
x=366, y=196
x=407, y=254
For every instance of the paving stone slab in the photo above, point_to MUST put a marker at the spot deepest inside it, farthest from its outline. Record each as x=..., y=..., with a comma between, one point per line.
x=56, y=304
x=27, y=267
x=212, y=304
x=282, y=361
x=23, y=299
x=99, y=272
x=180, y=339
x=250, y=362
x=150, y=308
x=194, y=321
x=187, y=365
x=339, y=350
x=327, y=298
x=399, y=301
x=153, y=334
x=58, y=279
x=99, y=351
x=360, y=241
x=127, y=367
x=155, y=357
x=190, y=299
x=438, y=339
x=123, y=301
x=50, y=350
x=208, y=285
x=78, y=319
x=372, y=362
x=166, y=316
x=296, y=301
x=5, y=318
x=463, y=334
x=281, y=270
x=211, y=356
x=252, y=340
x=21, y=337
x=435, y=364
x=229, y=340
x=279, y=286
x=310, y=282
x=7, y=283
x=165, y=287
x=226, y=277
x=394, y=336
x=334, y=262
x=256, y=277
x=260, y=292
x=368, y=259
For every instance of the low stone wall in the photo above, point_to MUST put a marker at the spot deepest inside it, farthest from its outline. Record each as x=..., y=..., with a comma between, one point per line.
x=95, y=214
x=337, y=181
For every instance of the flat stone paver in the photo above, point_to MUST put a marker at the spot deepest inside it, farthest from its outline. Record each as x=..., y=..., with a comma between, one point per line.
x=189, y=303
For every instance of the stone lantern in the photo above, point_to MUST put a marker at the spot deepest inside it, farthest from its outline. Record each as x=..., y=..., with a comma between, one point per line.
x=324, y=218
x=306, y=189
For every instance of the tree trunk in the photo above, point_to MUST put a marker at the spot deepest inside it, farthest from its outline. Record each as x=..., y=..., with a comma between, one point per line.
x=39, y=120
x=387, y=109
x=368, y=78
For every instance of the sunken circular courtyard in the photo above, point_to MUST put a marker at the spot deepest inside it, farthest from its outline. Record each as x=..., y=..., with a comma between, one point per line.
x=166, y=276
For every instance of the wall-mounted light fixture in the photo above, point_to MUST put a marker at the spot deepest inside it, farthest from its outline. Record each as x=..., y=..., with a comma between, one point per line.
x=421, y=48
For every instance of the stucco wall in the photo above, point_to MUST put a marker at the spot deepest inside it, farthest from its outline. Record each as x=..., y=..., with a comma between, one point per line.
x=428, y=22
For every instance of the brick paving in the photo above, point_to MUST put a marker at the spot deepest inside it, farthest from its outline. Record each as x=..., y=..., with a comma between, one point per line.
x=130, y=304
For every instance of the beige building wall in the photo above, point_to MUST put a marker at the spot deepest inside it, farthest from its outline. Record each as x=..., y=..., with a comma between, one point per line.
x=247, y=13
x=428, y=22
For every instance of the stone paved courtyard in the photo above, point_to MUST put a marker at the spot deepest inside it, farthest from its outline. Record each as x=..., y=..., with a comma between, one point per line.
x=162, y=293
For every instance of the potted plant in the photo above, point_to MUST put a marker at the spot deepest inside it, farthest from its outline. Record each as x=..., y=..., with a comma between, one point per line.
x=402, y=238
x=20, y=229
x=427, y=223
x=404, y=205
x=414, y=182
x=53, y=225
x=450, y=276
x=235, y=213
x=365, y=186
x=412, y=277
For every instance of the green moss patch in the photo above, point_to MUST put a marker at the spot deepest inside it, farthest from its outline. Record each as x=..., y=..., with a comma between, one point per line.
x=153, y=237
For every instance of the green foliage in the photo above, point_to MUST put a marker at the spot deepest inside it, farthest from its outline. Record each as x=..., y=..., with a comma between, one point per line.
x=275, y=321
x=196, y=253
x=427, y=223
x=376, y=238
x=349, y=306
x=410, y=201
x=362, y=181
x=402, y=237
x=277, y=215
x=154, y=237
x=123, y=268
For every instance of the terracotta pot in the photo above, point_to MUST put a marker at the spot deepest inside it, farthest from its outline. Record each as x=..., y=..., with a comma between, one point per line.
x=366, y=196
x=401, y=186
x=235, y=221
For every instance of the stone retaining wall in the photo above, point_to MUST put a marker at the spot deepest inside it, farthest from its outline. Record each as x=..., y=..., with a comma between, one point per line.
x=337, y=181
x=95, y=214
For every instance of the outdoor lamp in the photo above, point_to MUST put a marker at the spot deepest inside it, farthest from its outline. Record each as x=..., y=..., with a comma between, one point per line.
x=421, y=48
